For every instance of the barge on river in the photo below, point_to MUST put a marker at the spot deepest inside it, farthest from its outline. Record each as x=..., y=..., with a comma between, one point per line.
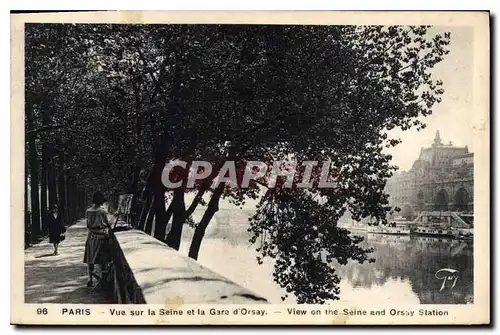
x=391, y=229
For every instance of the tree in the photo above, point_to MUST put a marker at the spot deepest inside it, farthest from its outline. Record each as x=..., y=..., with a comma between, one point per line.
x=365, y=81
x=259, y=88
x=144, y=95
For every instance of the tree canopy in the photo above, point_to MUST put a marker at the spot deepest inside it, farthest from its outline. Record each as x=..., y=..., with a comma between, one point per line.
x=116, y=102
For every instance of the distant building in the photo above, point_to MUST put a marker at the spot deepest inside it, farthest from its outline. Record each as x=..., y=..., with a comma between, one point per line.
x=441, y=179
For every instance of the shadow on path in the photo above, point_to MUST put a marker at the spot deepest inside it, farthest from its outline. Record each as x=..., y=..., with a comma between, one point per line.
x=45, y=255
x=61, y=278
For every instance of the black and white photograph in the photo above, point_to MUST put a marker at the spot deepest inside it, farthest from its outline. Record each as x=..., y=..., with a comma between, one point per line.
x=271, y=172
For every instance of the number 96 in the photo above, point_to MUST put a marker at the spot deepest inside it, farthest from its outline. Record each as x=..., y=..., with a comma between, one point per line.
x=42, y=311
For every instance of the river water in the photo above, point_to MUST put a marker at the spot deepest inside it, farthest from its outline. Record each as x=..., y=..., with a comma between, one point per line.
x=404, y=271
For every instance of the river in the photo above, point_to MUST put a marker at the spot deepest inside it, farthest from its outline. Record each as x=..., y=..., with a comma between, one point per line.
x=404, y=270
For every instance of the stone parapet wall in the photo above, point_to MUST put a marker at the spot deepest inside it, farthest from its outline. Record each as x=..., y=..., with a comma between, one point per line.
x=147, y=271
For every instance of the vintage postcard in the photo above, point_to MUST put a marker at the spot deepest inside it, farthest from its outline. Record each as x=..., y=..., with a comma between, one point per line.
x=250, y=168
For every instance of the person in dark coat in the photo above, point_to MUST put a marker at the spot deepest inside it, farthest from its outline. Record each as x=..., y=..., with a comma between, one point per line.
x=55, y=226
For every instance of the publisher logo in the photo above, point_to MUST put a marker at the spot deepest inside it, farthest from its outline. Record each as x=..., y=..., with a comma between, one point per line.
x=449, y=278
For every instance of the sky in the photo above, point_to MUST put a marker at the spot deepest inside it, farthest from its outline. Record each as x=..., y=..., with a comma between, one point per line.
x=452, y=117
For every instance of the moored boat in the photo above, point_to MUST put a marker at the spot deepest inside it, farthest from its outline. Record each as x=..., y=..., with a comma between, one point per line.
x=465, y=234
x=391, y=230
x=434, y=231
x=354, y=228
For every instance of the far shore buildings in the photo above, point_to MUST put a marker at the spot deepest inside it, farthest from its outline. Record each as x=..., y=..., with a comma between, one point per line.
x=441, y=179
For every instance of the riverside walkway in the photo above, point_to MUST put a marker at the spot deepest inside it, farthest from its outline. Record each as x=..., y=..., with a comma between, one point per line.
x=146, y=271
x=62, y=278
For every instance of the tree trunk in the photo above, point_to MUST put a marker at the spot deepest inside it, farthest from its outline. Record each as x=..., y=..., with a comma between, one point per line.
x=78, y=201
x=195, y=203
x=33, y=173
x=135, y=211
x=160, y=213
x=35, y=200
x=168, y=215
x=52, y=182
x=199, y=233
x=74, y=198
x=62, y=189
x=113, y=200
x=178, y=210
x=84, y=202
x=149, y=218
x=26, y=211
x=156, y=187
x=175, y=234
x=67, y=197
x=43, y=188
x=154, y=183
x=136, y=215
x=81, y=202
x=144, y=212
x=69, y=208
x=47, y=155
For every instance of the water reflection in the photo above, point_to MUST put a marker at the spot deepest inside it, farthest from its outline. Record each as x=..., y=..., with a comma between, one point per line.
x=415, y=260
x=404, y=271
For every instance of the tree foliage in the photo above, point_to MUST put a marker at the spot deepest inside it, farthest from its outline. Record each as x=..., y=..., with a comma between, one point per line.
x=124, y=99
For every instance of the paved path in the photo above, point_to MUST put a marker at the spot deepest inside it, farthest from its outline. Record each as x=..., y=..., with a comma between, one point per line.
x=61, y=278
